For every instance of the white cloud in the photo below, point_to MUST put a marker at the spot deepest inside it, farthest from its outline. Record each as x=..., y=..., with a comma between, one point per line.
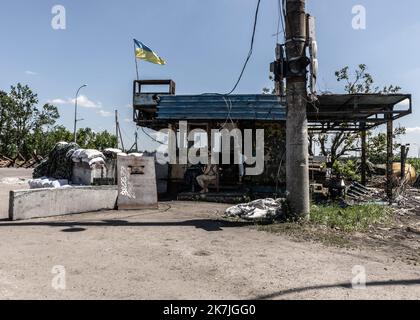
x=82, y=101
x=128, y=120
x=105, y=114
x=30, y=73
x=58, y=101
x=413, y=130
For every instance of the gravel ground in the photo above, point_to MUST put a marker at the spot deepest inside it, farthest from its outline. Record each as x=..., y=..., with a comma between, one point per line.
x=182, y=251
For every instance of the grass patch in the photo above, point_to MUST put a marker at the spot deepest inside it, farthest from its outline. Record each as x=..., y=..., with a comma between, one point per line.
x=332, y=225
x=353, y=218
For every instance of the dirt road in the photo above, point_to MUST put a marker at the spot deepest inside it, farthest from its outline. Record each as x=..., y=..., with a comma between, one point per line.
x=183, y=252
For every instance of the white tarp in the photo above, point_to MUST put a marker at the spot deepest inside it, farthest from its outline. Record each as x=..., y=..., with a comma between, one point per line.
x=258, y=209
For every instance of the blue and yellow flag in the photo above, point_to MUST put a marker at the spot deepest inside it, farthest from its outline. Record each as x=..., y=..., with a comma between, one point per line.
x=145, y=53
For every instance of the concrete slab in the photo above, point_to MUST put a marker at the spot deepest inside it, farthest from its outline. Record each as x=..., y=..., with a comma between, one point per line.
x=136, y=183
x=40, y=203
x=84, y=175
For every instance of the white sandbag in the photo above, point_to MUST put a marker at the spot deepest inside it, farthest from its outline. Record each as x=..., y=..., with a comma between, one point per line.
x=97, y=162
x=113, y=150
x=92, y=154
x=46, y=183
x=76, y=156
x=137, y=155
x=122, y=154
x=86, y=155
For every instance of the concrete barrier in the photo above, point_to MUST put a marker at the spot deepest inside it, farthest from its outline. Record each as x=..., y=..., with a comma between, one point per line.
x=40, y=203
x=137, y=183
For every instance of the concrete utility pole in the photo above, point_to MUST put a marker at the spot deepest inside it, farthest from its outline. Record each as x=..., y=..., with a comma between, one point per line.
x=297, y=166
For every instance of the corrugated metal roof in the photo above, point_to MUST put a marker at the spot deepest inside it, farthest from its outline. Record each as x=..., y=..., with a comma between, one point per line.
x=367, y=99
x=219, y=107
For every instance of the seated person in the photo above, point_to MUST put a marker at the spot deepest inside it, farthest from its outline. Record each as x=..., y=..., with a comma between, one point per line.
x=208, y=177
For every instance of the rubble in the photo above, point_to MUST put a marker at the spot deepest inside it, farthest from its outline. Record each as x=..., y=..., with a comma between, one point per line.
x=408, y=200
x=359, y=193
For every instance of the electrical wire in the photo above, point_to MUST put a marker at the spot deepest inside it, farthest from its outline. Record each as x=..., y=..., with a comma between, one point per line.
x=250, y=50
x=225, y=95
x=280, y=21
x=155, y=140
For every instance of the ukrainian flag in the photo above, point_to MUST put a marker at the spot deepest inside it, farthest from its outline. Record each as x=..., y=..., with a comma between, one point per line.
x=145, y=53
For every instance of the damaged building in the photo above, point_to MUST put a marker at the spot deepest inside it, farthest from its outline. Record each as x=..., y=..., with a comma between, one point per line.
x=327, y=113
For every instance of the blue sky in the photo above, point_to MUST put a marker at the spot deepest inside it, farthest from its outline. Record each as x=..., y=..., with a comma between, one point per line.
x=204, y=43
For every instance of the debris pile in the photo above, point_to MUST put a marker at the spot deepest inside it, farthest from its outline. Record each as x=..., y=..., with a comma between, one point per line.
x=256, y=210
x=409, y=200
x=360, y=193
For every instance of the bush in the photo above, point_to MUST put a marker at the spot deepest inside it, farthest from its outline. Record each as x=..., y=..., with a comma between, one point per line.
x=348, y=169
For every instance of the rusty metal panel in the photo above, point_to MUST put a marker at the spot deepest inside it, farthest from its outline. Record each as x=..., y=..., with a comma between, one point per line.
x=218, y=107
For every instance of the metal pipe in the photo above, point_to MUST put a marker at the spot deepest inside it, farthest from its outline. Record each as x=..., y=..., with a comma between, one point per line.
x=364, y=153
x=389, y=158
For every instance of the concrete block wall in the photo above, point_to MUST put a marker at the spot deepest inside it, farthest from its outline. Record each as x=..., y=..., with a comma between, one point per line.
x=40, y=203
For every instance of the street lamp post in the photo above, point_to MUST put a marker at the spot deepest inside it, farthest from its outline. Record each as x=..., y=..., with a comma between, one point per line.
x=75, y=112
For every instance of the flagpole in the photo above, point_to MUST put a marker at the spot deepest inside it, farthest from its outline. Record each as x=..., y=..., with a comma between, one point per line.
x=135, y=59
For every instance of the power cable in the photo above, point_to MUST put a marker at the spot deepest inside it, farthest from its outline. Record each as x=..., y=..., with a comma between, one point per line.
x=280, y=21
x=247, y=58
x=155, y=140
x=250, y=50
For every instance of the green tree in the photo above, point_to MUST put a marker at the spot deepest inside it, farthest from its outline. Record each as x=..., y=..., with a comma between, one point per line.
x=44, y=141
x=339, y=144
x=89, y=139
x=26, y=128
x=22, y=120
x=377, y=145
x=6, y=147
